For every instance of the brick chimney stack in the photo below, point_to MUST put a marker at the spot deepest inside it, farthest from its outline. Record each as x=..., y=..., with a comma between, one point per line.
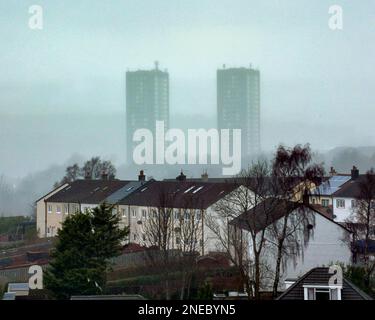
x=141, y=176
x=181, y=177
x=204, y=176
x=355, y=173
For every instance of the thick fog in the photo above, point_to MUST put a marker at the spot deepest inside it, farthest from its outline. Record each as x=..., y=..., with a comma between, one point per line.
x=62, y=88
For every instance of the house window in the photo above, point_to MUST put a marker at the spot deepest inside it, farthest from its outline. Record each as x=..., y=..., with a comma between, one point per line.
x=58, y=209
x=49, y=209
x=155, y=214
x=322, y=293
x=134, y=213
x=66, y=209
x=354, y=204
x=340, y=203
x=313, y=201
x=177, y=215
x=123, y=212
x=144, y=214
x=325, y=202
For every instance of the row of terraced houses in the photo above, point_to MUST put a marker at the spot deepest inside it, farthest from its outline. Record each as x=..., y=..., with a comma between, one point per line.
x=137, y=201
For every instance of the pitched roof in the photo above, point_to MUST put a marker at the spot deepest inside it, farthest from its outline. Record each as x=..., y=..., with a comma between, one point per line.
x=265, y=186
x=87, y=191
x=351, y=189
x=179, y=194
x=325, y=211
x=264, y=214
x=320, y=277
x=125, y=191
x=271, y=210
x=52, y=191
x=331, y=185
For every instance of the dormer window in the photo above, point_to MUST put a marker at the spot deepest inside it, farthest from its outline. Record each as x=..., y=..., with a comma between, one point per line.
x=312, y=292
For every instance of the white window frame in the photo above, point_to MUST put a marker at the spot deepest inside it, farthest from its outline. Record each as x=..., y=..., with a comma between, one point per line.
x=49, y=208
x=337, y=203
x=144, y=213
x=58, y=209
x=315, y=287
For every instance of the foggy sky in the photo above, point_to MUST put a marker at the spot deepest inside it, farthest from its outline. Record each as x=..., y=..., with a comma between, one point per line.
x=317, y=85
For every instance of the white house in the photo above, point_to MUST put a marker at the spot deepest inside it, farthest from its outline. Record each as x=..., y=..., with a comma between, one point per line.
x=69, y=198
x=186, y=206
x=344, y=199
x=318, y=240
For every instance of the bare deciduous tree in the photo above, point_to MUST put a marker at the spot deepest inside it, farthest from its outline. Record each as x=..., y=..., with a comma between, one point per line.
x=251, y=191
x=158, y=232
x=188, y=231
x=294, y=177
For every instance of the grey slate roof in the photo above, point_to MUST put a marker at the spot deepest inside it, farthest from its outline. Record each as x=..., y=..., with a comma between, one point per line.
x=332, y=185
x=87, y=191
x=179, y=194
x=351, y=189
x=320, y=276
x=124, y=191
x=271, y=210
x=264, y=214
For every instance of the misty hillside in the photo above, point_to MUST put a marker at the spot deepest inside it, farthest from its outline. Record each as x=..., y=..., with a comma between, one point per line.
x=17, y=196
